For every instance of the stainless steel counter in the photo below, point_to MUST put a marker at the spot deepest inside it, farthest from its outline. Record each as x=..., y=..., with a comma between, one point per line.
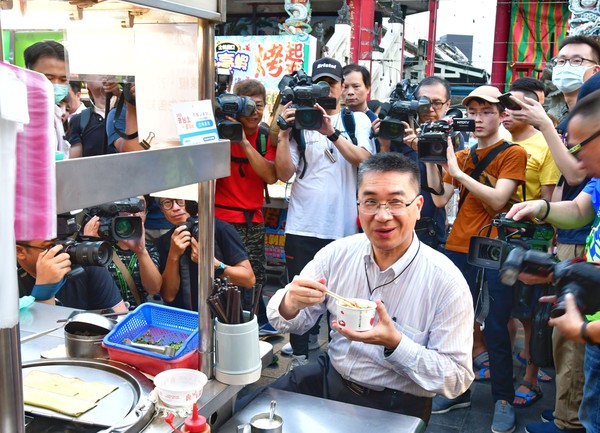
x=302, y=413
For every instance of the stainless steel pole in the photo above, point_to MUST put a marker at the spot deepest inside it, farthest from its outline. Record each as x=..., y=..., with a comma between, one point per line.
x=12, y=417
x=206, y=204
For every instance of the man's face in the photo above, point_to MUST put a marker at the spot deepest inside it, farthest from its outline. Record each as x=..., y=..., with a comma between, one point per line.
x=439, y=102
x=583, y=51
x=251, y=122
x=28, y=253
x=354, y=91
x=508, y=120
x=174, y=210
x=487, y=118
x=390, y=235
x=54, y=69
x=580, y=129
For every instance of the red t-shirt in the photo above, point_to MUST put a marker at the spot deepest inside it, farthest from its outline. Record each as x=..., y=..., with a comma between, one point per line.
x=243, y=192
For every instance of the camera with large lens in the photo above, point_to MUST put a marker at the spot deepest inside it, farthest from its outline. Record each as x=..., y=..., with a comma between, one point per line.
x=231, y=105
x=433, y=139
x=115, y=228
x=401, y=107
x=299, y=88
x=491, y=253
x=87, y=253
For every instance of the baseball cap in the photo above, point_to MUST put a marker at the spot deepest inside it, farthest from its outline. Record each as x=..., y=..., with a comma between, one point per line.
x=487, y=93
x=327, y=67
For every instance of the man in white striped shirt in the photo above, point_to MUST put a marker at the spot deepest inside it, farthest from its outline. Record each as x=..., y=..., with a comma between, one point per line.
x=421, y=343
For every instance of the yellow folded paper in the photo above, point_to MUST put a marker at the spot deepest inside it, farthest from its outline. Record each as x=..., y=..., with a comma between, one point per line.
x=68, y=395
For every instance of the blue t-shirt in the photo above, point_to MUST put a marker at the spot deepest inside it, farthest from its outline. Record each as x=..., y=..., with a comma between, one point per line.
x=593, y=239
x=573, y=236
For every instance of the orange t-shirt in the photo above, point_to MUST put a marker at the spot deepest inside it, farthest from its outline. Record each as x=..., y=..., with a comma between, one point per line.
x=472, y=217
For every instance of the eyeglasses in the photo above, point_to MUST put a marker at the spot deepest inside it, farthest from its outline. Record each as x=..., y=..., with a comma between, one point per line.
x=168, y=203
x=438, y=104
x=393, y=207
x=575, y=61
x=474, y=114
x=577, y=148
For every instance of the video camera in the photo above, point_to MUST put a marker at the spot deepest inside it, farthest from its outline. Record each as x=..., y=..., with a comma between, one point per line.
x=299, y=88
x=400, y=108
x=433, y=139
x=115, y=228
x=580, y=278
x=492, y=253
x=228, y=104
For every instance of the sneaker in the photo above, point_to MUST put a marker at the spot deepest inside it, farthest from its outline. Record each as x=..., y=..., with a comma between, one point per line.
x=504, y=417
x=267, y=329
x=313, y=344
x=297, y=361
x=549, y=427
x=548, y=415
x=441, y=404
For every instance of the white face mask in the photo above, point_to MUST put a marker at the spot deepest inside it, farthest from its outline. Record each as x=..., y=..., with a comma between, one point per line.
x=568, y=78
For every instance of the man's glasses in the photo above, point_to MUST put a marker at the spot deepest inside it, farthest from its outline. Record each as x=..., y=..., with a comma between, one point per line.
x=168, y=203
x=577, y=148
x=393, y=207
x=575, y=61
x=438, y=104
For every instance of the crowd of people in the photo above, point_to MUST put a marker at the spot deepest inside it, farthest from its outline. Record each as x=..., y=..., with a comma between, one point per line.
x=367, y=219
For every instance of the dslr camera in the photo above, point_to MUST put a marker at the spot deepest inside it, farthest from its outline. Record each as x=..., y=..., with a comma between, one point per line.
x=115, y=228
x=299, y=88
x=400, y=108
x=191, y=225
x=578, y=277
x=433, y=139
x=231, y=105
x=492, y=253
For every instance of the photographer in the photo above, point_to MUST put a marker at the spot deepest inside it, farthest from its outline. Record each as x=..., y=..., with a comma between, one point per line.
x=501, y=169
x=322, y=204
x=135, y=268
x=584, y=141
x=178, y=251
x=43, y=269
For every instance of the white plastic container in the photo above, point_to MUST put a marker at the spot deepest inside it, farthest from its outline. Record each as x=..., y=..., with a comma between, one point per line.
x=356, y=319
x=180, y=386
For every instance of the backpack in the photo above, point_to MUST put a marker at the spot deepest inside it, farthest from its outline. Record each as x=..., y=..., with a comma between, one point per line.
x=84, y=119
x=349, y=125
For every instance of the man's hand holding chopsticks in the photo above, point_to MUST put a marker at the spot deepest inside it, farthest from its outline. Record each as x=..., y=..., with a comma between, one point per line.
x=302, y=293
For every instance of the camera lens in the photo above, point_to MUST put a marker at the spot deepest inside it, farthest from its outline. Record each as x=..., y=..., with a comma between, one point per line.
x=123, y=228
x=90, y=253
x=490, y=252
x=438, y=148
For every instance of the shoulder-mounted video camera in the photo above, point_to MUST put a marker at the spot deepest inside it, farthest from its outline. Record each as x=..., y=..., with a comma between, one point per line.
x=433, y=139
x=400, y=108
x=229, y=104
x=115, y=228
x=578, y=277
x=492, y=253
x=299, y=88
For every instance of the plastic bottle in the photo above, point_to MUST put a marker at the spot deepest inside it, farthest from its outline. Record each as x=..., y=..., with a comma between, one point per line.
x=195, y=423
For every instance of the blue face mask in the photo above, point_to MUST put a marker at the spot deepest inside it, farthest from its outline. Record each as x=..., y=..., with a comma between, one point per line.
x=568, y=78
x=60, y=92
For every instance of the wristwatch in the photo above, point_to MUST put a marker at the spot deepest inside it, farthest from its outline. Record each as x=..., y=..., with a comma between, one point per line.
x=333, y=137
x=584, y=334
x=219, y=271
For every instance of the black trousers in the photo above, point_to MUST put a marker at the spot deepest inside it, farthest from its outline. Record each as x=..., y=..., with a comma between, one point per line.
x=320, y=379
x=299, y=250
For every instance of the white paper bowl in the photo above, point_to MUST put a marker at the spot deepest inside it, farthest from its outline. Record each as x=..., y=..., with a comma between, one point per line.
x=180, y=386
x=356, y=319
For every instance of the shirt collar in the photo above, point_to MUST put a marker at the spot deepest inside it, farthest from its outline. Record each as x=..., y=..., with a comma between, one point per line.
x=400, y=264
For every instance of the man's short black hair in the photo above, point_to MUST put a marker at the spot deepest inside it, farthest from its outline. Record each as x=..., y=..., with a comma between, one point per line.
x=390, y=162
x=76, y=86
x=527, y=92
x=41, y=49
x=582, y=39
x=587, y=107
x=353, y=67
x=527, y=83
x=432, y=81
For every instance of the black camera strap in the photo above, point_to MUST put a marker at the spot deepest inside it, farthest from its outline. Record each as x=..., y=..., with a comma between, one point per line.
x=118, y=110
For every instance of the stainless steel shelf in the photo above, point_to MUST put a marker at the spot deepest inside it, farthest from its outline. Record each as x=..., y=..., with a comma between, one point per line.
x=85, y=182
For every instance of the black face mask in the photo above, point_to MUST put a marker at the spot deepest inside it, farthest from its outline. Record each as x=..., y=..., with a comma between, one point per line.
x=327, y=102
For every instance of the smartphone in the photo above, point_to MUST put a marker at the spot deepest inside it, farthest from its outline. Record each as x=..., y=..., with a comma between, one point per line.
x=507, y=102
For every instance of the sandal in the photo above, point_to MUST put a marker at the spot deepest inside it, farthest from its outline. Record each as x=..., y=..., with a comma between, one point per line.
x=481, y=364
x=534, y=394
x=542, y=376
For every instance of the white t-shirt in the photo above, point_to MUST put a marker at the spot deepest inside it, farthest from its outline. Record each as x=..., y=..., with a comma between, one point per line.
x=323, y=201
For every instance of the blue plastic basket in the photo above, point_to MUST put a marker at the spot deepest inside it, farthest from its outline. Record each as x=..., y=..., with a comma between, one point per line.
x=159, y=324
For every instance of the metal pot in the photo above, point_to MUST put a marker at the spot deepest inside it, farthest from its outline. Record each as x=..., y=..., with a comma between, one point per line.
x=89, y=323
x=84, y=333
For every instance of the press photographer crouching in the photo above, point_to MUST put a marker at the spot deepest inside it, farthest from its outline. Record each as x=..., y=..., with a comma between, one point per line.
x=135, y=262
x=65, y=272
x=576, y=324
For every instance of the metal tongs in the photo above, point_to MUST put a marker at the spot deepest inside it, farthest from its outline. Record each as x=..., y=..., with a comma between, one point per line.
x=164, y=350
